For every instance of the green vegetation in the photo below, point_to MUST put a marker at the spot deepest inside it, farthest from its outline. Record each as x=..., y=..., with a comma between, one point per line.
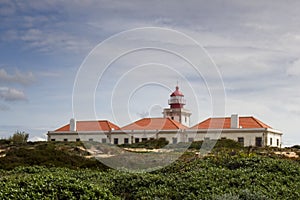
x=160, y=143
x=19, y=137
x=48, y=154
x=296, y=147
x=148, y=144
x=226, y=177
x=56, y=183
x=60, y=171
x=4, y=142
x=222, y=143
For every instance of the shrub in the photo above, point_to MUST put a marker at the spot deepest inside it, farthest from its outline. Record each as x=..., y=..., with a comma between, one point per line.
x=19, y=137
x=149, y=144
x=40, y=183
x=46, y=154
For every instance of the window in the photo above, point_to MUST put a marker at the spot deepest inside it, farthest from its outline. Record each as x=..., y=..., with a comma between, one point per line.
x=185, y=119
x=103, y=140
x=91, y=139
x=144, y=139
x=65, y=140
x=271, y=141
x=126, y=140
x=77, y=139
x=136, y=140
x=206, y=138
x=116, y=141
x=190, y=139
x=174, y=140
x=172, y=117
x=277, y=141
x=151, y=138
x=241, y=140
x=223, y=138
x=163, y=138
x=258, y=141
x=52, y=140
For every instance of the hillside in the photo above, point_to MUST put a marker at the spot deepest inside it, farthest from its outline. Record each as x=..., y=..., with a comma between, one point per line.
x=70, y=155
x=230, y=172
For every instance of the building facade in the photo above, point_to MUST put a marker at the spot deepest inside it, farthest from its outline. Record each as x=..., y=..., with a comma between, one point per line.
x=173, y=127
x=84, y=131
x=249, y=131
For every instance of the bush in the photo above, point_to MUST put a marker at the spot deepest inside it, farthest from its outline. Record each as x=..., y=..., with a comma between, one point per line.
x=19, y=137
x=46, y=154
x=4, y=142
x=296, y=147
x=41, y=183
x=148, y=144
x=221, y=143
x=219, y=177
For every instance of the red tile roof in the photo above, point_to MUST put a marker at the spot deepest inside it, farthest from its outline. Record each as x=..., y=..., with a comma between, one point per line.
x=102, y=125
x=154, y=124
x=224, y=123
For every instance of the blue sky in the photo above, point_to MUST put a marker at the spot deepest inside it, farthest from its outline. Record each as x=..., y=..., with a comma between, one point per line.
x=255, y=45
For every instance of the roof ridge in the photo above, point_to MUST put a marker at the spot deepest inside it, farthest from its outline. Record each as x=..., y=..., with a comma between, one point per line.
x=178, y=124
x=226, y=117
x=113, y=124
x=101, y=120
x=62, y=127
x=108, y=123
x=173, y=122
x=257, y=121
x=263, y=125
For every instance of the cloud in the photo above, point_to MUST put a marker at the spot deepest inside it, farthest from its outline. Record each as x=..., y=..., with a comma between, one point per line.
x=53, y=41
x=6, y=8
x=50, y=29
x=49, y=74
x=11, y=94
x=255, y=44
x=4, y=107
x=17, y=77
x=294, y=68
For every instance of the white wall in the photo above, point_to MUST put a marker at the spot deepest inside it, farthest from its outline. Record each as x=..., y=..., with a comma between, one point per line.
x=249, y=136
x=120, y=138
x=274, y=137
x=169, y=136
x=73, y=136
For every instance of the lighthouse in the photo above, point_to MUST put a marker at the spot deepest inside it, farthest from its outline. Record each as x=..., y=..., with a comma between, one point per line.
x=176, y=110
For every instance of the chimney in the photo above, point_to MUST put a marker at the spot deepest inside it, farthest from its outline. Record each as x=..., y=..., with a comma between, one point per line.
x=234, y=121
x=72, y=124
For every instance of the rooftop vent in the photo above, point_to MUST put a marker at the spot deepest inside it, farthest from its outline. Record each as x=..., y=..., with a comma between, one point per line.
x=72, y=124
x=234, y=121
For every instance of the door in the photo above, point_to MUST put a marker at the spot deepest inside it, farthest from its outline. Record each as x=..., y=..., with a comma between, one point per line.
x=258, y=141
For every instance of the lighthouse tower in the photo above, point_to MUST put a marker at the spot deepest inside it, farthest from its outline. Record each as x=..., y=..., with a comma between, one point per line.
x=176, y=110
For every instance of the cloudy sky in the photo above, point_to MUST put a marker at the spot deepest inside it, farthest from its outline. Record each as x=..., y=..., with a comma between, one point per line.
x=254, y=45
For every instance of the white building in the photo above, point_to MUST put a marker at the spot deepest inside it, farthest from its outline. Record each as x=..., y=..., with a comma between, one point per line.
x=148, y=129
x=249, y=131
x=83, y=131
x=174, y=127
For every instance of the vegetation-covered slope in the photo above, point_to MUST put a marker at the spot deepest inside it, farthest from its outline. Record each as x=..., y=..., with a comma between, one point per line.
x=231, y=172
x=226, y=177
x=46, y=154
